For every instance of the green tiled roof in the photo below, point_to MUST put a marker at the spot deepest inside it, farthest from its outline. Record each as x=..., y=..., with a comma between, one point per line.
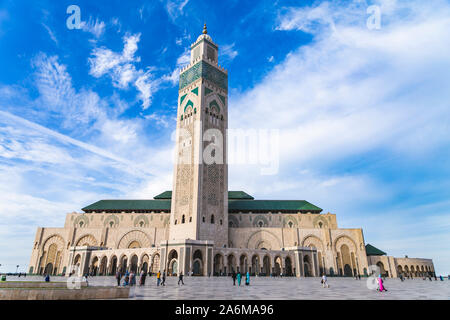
x=239, y=195
x=238, y=201
x=272, y=205
x=372, y=251
x=231, y=195
x=164, y=195
x=124, y=205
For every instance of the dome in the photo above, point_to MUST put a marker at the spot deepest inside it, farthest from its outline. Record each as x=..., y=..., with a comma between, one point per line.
x=204, y=36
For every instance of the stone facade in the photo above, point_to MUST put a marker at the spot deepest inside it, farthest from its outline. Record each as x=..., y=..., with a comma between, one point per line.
x=203, y=229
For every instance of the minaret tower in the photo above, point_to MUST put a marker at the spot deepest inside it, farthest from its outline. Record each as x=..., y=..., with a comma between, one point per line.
x=199, y=208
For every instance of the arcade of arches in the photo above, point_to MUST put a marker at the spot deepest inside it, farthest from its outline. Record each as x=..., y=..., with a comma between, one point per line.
x=201, y=228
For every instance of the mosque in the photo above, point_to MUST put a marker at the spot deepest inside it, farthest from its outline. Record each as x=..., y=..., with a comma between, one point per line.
x=201, y=228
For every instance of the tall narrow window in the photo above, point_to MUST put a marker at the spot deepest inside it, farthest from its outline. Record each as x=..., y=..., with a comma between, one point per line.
x=212, y=218
x=182, y=219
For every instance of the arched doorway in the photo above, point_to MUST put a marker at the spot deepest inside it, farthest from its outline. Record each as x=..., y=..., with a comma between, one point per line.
x=277, y=266
x=134, y=264
x=173, y=262
x=144, y=263
x=243, y=265
x=123, y=264
x=94, y=266
x=48, y=268
x=76, y=265
x=218, y=264
x=255, y=265
x=197, y=265
x=307, y=266
x=288, y=266
x=103, y=264
x=113, y=267
x=266, y=266
x=400, y=270
x=346, y=261
x=231, y=263
x=155, y=263
x=347, y=271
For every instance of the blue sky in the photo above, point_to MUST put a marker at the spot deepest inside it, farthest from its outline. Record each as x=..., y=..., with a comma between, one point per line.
x=362, y=113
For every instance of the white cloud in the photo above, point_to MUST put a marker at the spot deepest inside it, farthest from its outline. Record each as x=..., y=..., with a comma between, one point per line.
x=353, y=89
x=228, y=52
x=349, y=92
x=96, y=28
x=50, y=33
x=182, y=61
x=120, y=67
x=175, y=8
x=160, y=119
x=58, y=95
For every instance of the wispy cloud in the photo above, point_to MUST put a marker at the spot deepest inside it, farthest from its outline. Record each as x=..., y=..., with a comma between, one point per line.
x=50, y=33
x=348, y=95
x=182, y=61
x=95, y=27
x=175, y=8
x=228, y=52
x=122, y=70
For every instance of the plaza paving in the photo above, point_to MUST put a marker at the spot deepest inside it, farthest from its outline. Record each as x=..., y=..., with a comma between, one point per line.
x=276, y=288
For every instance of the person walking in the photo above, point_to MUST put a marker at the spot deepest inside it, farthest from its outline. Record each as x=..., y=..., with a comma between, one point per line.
x=142, y=278
x=158, y=278
x=126, y=280
x=440, y=277
x=118, y=277
x=163, y=283
x=132, y=279
x=239, y=278
x=325, y=281
x=381, y=287
x=247, y=279
x=47, y=277
x=180, y=278
x=233, y=276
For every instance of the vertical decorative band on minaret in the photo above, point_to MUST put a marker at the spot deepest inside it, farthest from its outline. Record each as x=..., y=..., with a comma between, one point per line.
x=199, y=209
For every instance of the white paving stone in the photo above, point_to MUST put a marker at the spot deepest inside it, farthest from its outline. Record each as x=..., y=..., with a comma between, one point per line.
x=276, y=288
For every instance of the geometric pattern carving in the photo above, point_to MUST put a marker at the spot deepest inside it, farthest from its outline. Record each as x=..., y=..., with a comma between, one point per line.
x=234, y=221
x=133, y=238
x=260, y=222
x=341, y=240
x=87, y=240
x=313, y=241
x=204, y=70
x=263, y=236
x=141, y=221
x=54, y=239
x=290, y=222
x=81, y=222
x=111, y=221
x=322, y=220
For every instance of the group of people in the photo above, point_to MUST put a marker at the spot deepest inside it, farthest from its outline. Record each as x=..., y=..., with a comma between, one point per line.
x=130, y=278
x=238, y=276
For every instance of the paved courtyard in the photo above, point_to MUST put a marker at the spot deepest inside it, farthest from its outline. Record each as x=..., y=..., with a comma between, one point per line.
x=276, y=288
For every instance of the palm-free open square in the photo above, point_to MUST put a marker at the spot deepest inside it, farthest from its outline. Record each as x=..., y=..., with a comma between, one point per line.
x=266, y=288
